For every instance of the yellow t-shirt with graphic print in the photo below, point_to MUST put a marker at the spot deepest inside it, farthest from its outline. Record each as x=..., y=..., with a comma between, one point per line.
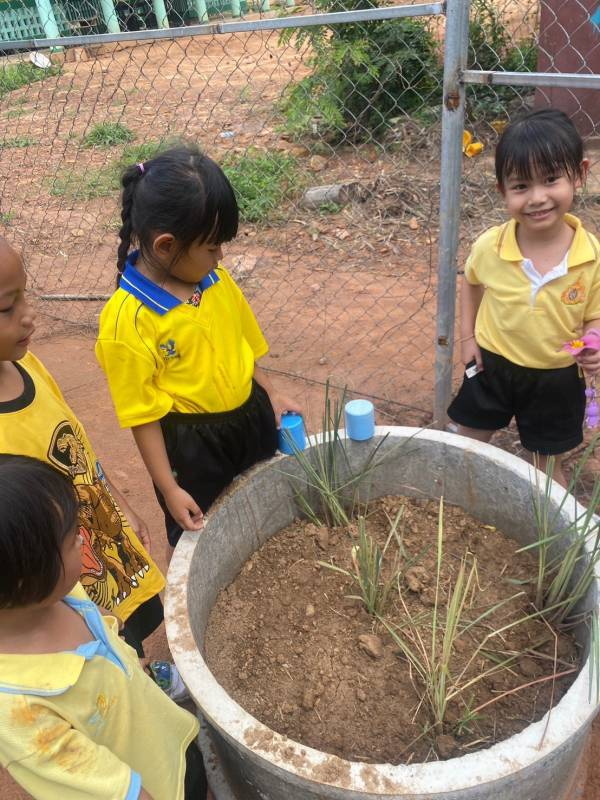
x=117, y=572
x=73, y=727
x=193, y=359
x=532, y=331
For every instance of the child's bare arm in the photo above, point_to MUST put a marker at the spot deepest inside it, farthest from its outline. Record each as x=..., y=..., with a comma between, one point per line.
x=280, y=402
x=137, y=523
x=151, y=444
x=144, y=795
x=470, y=300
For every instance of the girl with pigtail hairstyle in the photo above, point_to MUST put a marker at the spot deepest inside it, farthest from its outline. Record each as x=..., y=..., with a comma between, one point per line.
x=178, y=341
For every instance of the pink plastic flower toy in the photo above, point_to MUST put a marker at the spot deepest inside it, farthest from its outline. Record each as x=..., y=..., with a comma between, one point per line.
x=589, y=341
x=592, y=410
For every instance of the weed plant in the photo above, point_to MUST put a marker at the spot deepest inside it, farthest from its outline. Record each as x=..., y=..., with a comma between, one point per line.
x=17, y=141
x=491, y=47
x=362, y=76
x=108, y=134
x=15, y=76
x=262, y=182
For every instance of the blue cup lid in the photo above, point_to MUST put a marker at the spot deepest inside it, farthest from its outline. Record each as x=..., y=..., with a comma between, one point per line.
x=291, y=420
x=359, y=407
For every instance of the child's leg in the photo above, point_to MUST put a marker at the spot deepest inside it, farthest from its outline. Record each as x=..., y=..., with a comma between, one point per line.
x=196, y=785
x=541, y=462
x=144, y=621
x=475, y=433
x=549, y=415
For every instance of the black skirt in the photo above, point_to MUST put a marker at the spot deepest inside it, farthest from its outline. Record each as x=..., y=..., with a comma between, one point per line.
x=207, y=451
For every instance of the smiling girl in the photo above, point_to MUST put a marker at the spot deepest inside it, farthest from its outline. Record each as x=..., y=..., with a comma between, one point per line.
x=529, y=286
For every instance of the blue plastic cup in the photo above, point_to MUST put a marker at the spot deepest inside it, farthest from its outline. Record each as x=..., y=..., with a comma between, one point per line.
x=360, y=419
x=292, y=430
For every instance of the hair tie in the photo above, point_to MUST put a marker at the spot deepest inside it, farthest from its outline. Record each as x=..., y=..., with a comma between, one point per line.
x=141, y=169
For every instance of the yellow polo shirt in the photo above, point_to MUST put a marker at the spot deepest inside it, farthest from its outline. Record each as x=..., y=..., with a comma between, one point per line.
x=529, y=328
x=160, y=354
x=90, y=723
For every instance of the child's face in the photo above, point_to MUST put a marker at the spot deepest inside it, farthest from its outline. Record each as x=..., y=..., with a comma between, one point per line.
x=189, y=266
x=16, y=315
x=196, y=262
x=540, y=203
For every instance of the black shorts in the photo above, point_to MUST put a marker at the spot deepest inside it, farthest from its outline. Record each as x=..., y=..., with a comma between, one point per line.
x=207, y=451
x=547, y=404
x=144, y=620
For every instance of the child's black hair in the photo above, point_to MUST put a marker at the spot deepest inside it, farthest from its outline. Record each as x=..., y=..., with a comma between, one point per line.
x=38, y=509
x=182, y=192
x=544, y=142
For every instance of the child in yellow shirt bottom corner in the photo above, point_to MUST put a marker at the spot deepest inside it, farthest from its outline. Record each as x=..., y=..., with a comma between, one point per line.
x=79, y=717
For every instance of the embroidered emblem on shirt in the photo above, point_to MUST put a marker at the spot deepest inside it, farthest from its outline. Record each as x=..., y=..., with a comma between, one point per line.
x=195, y=299
x=168, y=349
x=573, y=294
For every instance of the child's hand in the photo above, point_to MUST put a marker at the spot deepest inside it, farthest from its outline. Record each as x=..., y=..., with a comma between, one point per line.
x=281, y=403
x=470, y=352
x=589, y=361
x=184, y=509
x=138, y=526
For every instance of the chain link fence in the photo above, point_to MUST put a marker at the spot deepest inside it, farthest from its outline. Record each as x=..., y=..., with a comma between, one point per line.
x=330, y=133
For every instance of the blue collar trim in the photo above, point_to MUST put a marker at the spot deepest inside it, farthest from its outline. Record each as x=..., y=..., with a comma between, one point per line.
x=152, y=295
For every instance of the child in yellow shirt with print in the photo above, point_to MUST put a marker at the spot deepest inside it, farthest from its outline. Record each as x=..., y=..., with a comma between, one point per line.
x=530, y=286
x=117, y=571
x=178, y=341
x=79, y=718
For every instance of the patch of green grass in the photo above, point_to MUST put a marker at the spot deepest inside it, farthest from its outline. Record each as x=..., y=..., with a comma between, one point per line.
x=262, y=182
x=93, y=183
x=17, y=141
x=329, y=208
x=6, y=217
x=16, y=112
x=103, y=181
x=144, y=151
x=108, y=134
x=14, y=76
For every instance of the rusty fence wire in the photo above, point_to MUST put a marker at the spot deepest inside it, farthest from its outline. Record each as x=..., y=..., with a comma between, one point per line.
x=330, y=129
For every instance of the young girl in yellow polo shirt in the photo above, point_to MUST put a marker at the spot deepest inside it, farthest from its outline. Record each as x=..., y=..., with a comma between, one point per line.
x=530, y=286
x=79, y=718
x=178, y=341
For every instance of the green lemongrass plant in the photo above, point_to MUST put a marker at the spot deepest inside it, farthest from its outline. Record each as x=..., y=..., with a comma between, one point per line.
x=327, y=470
x=564, y=574
x=430, y=656
x=368, y=561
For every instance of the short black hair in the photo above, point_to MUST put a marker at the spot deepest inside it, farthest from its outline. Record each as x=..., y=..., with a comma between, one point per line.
x=38, y=509
x=180, y=191
x=544, y=142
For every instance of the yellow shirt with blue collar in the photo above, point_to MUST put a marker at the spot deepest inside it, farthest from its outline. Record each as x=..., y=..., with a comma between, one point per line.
x=160, y=354
x=90, y=723
x=524, y=316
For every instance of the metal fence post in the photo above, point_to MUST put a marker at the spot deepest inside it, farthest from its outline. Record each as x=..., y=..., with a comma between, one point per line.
x=453, y=116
